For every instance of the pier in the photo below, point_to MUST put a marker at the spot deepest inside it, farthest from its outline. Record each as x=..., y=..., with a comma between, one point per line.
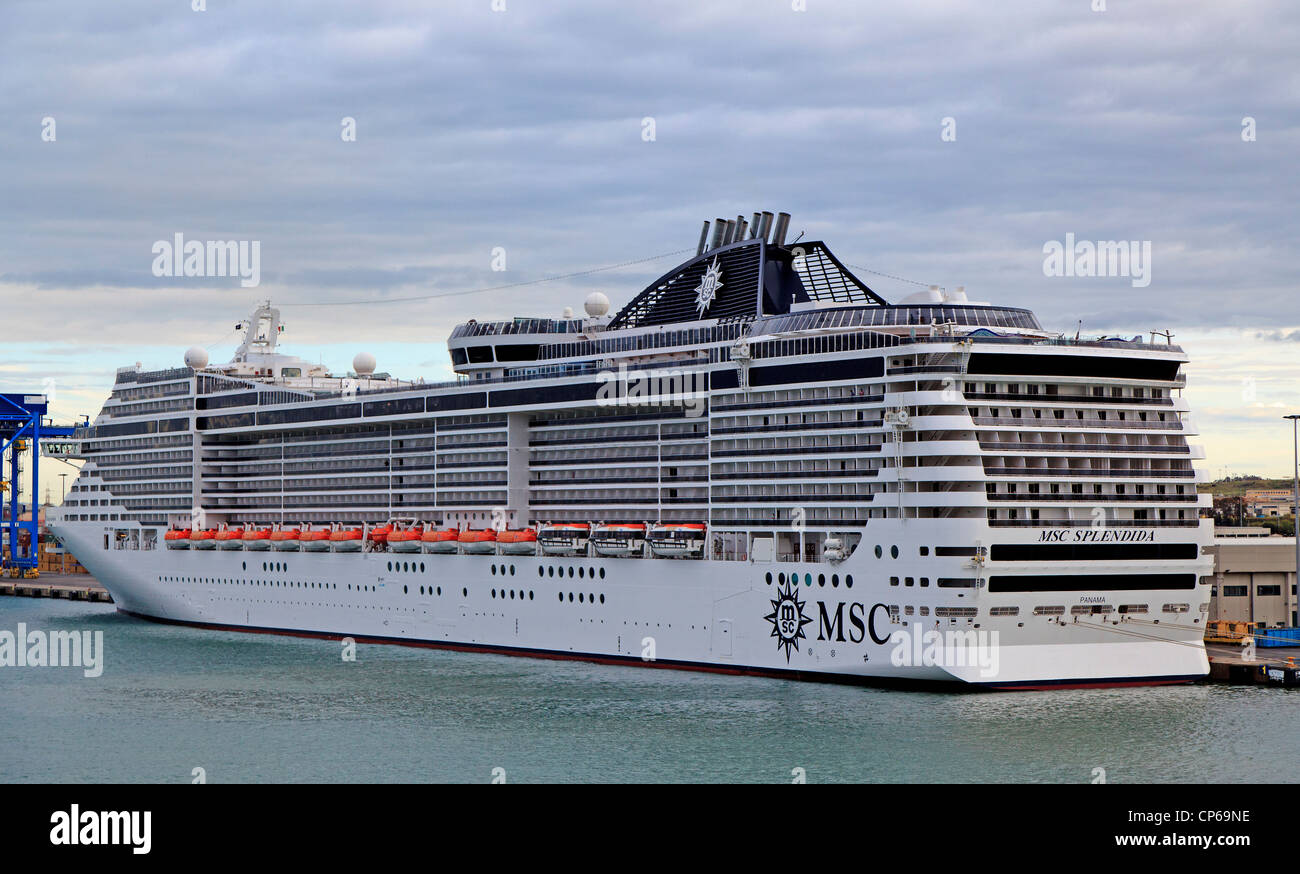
x=74, y=587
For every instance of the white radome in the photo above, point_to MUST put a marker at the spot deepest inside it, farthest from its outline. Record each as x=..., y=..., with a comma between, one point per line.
x=196, y=357
x=596, y=304
x=363, y=364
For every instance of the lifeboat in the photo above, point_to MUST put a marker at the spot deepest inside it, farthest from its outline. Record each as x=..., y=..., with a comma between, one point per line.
x=346, y=540
x=286, y=541
x=619, y=540
x=520, y=541
x=231, y=539
x=444, y=540
x=678, y=540
x=379, y=534
x=478, y=541
x=564, y=538
x=406, y=539
x=257, y=539
x=177, y=538
x=203, y=539
x=315, y=541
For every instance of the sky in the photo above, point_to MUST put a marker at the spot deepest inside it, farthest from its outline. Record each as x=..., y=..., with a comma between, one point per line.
x=934, y=142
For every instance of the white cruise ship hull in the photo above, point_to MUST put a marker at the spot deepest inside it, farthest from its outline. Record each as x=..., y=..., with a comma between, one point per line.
x=706, y=615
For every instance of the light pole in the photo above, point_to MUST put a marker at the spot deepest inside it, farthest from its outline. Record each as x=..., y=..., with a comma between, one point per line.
x=63, y=554
x=1295, y=518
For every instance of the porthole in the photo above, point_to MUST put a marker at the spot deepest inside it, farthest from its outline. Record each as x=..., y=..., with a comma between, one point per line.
x=512, y=569
x=390, y=565
x=440, y=590
x=602, y=597
x=264, y=566
x=570, y=572
x=464, y=593
x=512, y=594
x=494, y=570
x=602, y=573
x=406, y=567
x=421, y=590
x=880, y=553
x=581, y=571
x=893, y=552
x=541, y=571
x=421, y=567
x=807, y=579
x=848, y=581
x=821, y=579
x=580, y=598
x=570, y=597
x=561, y=597
x=780, y=578
x=551, y=570
x=835, y=581
x=403, y=588
x=768, y=576
x=530, y=594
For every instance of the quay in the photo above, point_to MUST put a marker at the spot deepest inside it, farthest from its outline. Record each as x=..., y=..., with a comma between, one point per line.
x=75, y=587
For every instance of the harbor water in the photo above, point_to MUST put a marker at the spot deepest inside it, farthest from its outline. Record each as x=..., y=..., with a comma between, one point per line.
x=266, y=708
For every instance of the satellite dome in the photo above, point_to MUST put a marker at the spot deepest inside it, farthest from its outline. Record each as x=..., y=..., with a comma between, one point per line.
x=596, y=305
x=363, y=364
x=196, y=357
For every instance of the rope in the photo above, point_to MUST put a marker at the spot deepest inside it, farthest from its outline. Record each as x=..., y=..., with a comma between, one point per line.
x=890, y=276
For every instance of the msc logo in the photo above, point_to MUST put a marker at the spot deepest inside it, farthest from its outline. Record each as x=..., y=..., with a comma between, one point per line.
x=788, y=619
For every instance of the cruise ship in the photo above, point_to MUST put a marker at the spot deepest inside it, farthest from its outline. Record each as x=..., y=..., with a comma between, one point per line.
x=758, y=465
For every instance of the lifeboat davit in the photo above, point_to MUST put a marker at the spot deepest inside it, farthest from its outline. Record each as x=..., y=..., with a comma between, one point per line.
x=619, y=540
x=203, y=539
x=315, y=541
x=257, y=539
x=444, y=540
x=346, y=540
x=564, y=538
x=287, y=541
x=231, y=539
x=406, y=539
x=678, y=540
x=519, y=541
x=478, y=541
x=177, y=538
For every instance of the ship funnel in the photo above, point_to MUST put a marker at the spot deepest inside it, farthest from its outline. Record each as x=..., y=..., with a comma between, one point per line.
x=753, y=227
x=704, y=238
x=782, y=225
x=766, y=226
x=719, y=227
x=730, y=233
x=740, y=230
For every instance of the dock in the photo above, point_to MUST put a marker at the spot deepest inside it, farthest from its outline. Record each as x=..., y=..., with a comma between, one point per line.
x=1274, y=666
x=74, y=587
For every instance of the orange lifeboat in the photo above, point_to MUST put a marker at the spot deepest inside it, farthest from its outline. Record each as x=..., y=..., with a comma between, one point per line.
x=678, y=539
x=478, y=541
x=286, y=541
x=315, y=541
x=177, y=538
x=346, y=540
x=619, y=540
x=257, y=539
x=379, y=534
x=564, y=538
x=520, y=541
x=203, y=539
x=231, y=539
x=440, y=540
x=406, y=539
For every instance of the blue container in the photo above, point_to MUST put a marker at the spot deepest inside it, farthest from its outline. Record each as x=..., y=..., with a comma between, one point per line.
x=1277, y=637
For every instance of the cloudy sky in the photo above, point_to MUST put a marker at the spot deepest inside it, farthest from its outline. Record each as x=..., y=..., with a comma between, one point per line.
x=576, y=135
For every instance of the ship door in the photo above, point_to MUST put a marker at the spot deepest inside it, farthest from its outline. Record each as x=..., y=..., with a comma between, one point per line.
x=722, y=638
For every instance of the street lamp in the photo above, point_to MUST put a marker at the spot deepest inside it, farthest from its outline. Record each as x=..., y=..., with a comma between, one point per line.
x=1295, y=518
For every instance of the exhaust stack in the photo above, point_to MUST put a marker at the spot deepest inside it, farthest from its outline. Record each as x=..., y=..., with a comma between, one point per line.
x=766, y=226
x=704, y=238
x=782, y=225
x=753, y=227
x=719, y=226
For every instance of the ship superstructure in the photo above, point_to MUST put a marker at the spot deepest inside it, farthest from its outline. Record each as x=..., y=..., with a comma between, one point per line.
x=758, y=464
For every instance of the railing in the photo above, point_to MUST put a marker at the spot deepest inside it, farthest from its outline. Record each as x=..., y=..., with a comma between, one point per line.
x=1075, y=423
x=1085, y=474
x=1062, y=399
x=1085, y=523
x=1036, y=497
x=1082, y=447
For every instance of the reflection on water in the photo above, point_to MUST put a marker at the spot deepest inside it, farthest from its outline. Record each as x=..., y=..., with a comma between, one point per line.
x=267, y=708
